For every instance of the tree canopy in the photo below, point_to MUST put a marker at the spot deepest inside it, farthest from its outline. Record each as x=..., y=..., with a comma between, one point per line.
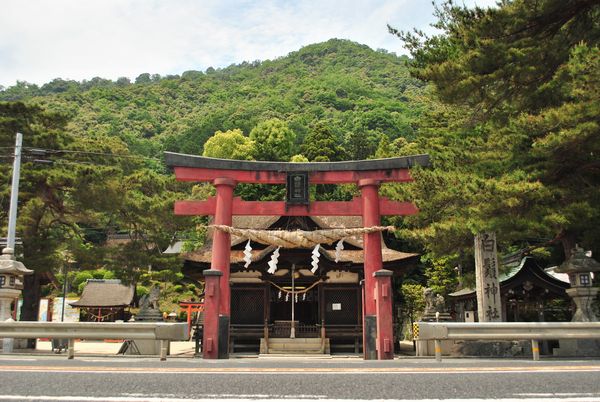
x=504, y=99
x=512, y=126
x=105, y=178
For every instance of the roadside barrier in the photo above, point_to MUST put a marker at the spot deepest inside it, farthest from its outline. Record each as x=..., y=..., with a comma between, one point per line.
x=503, y=331
x=159, y=331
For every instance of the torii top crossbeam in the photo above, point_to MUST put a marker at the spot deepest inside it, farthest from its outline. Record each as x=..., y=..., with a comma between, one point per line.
x=204, y=169
x=201, y=168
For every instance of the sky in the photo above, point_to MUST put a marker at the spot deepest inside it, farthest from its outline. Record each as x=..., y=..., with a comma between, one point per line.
x=80, y=39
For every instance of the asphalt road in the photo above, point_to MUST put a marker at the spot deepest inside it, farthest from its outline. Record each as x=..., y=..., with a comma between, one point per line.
x=45, y=378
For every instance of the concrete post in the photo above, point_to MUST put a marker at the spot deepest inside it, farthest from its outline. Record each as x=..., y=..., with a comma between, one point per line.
x=71, y=349
x=14, y=194
x=164, y=347
x=372, y=261
x=8, y=292
x=437, y=344
x=385, y=320
x=210, y=340
x=221, y=252
x=535, y=349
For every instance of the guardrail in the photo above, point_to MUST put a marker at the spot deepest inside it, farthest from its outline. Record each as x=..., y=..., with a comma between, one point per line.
x=504, y=331
x=163, y=332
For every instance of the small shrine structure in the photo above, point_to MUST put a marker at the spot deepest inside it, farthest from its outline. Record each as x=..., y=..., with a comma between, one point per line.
x=105, y=300
x=376, y=295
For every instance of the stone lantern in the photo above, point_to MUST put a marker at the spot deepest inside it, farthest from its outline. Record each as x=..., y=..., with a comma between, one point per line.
x=579, y=267
x=11, y=281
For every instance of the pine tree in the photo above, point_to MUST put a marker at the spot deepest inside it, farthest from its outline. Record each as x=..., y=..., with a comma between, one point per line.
x=522, y=157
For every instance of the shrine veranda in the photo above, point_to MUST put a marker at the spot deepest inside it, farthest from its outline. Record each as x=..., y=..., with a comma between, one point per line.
x=345, y=294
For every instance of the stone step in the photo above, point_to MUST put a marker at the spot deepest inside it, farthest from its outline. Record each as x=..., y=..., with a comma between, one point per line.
x=297, y=340
x=294, y=352
x=286, y=348
x=295, y=346
x=295, y=356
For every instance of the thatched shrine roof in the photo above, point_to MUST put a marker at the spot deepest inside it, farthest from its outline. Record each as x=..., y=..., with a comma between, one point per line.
x=105, y=293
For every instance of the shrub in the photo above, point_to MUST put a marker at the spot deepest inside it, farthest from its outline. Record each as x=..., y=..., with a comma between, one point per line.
x=141, y=290
x=81, y=278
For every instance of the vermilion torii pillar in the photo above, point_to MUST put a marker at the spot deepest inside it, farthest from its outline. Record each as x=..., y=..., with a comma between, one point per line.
x=368, y=175
x=369, y=189
x=220, y=258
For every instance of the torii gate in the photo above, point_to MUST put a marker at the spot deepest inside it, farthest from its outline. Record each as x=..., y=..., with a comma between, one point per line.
x=367, y=174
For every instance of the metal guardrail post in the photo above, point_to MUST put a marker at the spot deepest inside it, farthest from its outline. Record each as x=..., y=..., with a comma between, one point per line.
x=71, y=349
x=535, y=349
x=86, y=330
x=504, y=331
x=438, y=350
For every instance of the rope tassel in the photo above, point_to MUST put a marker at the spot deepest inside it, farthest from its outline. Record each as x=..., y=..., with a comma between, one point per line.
x=315, y=259
x=274, y=260
x=338, y=250
x=247, y=255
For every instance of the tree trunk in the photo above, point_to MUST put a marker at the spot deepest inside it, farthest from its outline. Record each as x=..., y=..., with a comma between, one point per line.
x=31, y=301
x=568, y=242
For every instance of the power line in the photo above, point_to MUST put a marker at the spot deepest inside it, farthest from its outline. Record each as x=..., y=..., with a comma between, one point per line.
x=43, y=152
x=69, y=151
x=52, y=162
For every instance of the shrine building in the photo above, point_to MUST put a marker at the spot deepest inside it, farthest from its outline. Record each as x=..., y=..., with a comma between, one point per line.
x=328, y=300
x=296, y=275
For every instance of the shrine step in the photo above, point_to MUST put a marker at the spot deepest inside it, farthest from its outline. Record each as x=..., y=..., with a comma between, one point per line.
x=294, y=346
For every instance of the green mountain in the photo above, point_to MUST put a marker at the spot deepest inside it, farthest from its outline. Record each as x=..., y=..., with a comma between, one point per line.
x=360, y=93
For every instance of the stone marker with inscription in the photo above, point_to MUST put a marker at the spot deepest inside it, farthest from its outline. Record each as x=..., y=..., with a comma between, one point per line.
x=489, y=305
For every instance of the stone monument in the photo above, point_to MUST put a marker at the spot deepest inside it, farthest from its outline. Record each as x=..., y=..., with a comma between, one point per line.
x=149, y=306
x=489, y=305
x=435, y=307
x=489, y=302
x=149, y=312
x=435, y=310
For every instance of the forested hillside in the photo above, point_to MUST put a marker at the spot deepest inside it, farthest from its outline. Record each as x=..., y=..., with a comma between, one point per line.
x=93, y=150
x=360, y=94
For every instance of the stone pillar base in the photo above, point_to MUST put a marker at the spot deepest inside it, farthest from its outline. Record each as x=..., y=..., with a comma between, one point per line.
x=578, y=348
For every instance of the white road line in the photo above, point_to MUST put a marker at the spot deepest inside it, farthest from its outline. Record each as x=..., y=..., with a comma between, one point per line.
x=559, y=394
x=294, y=372
x=18, y=360
x=157, y=398
x=238, y=396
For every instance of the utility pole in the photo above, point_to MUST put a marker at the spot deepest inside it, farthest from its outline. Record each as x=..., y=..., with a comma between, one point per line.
x=14, y=194
x=11, y=270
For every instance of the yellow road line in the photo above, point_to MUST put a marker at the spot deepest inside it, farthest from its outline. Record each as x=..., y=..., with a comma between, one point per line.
x=291, y=370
